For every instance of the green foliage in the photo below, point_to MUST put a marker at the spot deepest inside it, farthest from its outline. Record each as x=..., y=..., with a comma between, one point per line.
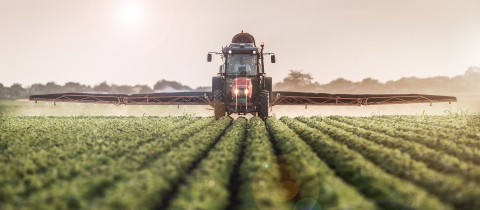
x=207, y=186
x=145, y=188
x=450, y=188
x=388, y=191
x=259, y=177
x=315, y=179
x=436, y=154
x=188, y=162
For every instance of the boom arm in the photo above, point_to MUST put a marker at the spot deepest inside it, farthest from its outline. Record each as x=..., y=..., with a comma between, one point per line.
x=278, y=98
x=173, y=98
x=305, y=98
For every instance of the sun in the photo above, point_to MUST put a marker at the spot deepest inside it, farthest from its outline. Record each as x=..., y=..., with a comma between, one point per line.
x=131, y=13
x=130, y=26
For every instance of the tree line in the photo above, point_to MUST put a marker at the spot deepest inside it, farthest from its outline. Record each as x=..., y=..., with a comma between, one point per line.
x=296, y=80
x=17, y=91
x=468, y=83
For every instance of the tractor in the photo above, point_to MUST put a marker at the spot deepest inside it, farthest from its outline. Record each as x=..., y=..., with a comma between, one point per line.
x=241, y=85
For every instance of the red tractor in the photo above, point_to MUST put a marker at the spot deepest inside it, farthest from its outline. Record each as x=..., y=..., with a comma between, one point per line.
x=241, y=85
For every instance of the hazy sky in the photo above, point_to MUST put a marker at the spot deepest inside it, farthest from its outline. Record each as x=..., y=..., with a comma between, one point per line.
x=143, y=41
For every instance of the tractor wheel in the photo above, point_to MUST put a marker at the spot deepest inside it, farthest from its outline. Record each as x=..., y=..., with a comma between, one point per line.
x=218, y=105
x=263, y=100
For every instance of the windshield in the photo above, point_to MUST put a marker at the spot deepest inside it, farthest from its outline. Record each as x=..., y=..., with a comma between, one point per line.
x=242, y=64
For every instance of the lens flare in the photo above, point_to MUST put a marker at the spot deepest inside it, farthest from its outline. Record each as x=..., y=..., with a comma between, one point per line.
x=131, y=13
x=130, y=27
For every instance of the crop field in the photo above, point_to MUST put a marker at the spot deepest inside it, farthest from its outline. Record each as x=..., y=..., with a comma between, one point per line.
x=188, y=162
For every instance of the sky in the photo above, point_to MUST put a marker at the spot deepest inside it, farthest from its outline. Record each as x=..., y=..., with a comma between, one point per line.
x=143, y=41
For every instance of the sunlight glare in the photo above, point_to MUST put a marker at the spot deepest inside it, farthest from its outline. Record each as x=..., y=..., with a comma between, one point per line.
x=130, y=27
x=131, y=13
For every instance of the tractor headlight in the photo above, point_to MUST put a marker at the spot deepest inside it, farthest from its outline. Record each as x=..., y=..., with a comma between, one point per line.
x=246, y=91
x=230, y=52
x=236, y=91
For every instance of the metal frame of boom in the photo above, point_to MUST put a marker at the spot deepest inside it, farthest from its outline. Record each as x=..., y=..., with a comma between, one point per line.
x=334, y=100
x=127, y=99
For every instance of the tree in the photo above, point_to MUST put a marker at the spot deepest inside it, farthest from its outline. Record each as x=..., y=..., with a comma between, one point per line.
x=52, y=87
x=297, y=80
x=164, y=84
x=17, y=91
x=37, y=89
x=143, y=89
x=3, y=92
x=340, y=85
x=369, y=85
x=122, y=89
x=297, y=77
x=76, y=87
x=472, y=79
x=473, y=71
x=102, y=88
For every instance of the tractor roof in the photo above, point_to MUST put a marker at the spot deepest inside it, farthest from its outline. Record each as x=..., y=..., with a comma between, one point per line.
x=243, y=38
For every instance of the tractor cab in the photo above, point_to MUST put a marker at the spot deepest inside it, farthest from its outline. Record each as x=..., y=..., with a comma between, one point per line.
x=242, y=65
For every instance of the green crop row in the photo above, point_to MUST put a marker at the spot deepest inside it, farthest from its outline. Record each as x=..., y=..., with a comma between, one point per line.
x=313, y=178
x=79, y=135
x=21, y=161
x=461, y=194
x=93, y=174
x=463, y=152
x=93, y=165
x=471, y=139
x=147, y=188
x=42, y=132
x=207, y=186
x=465, y=128
x=388, y=191
x=434, y=159
x=460, y=124
x=259, y=181
x=88, y=134
x=380, y=162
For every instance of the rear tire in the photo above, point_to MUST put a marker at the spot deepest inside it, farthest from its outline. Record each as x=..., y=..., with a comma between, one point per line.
x=263, y=102
x=218, y=105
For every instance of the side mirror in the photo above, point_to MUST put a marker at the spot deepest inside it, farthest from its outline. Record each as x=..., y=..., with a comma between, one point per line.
x=272, y=58
x=209, y=57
